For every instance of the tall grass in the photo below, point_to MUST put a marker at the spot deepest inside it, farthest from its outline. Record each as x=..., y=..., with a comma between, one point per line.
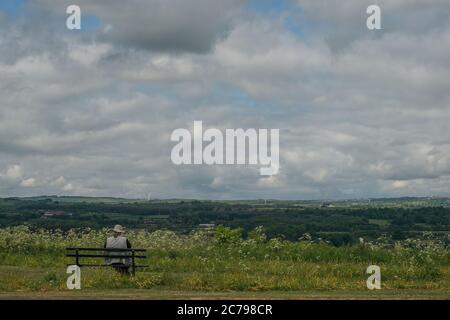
x=35, y=260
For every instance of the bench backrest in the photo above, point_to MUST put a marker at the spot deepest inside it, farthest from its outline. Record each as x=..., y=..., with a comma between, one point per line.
x=131, y=253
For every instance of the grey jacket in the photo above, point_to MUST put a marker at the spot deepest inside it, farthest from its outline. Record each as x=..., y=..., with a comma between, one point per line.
x=117, y=243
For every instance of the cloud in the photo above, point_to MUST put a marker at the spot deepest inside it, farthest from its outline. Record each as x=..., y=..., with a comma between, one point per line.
x=155, y=25
x=13, y=178
x=30, y=182
x=341, y=23
x=14, y=172
x=360, y=115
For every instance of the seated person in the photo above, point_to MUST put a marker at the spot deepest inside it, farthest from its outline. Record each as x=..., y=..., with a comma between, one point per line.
x=118, y=241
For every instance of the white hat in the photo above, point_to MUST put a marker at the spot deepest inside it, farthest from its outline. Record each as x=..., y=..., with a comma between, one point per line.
x=118, y=228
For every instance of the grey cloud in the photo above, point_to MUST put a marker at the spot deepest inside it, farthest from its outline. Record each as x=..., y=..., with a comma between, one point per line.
x=343, y=22
x=156, y=25
x=83, y=116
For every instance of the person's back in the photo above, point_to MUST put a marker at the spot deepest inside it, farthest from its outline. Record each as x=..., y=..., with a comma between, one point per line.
x=117, y=241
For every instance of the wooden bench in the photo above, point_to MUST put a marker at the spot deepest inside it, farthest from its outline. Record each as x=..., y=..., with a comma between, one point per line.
x=131, y=253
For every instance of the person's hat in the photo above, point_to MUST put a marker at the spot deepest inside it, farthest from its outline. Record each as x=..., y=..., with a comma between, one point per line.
x=118, y=228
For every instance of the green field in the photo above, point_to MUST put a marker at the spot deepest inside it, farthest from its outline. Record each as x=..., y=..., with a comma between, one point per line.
x=199, y=266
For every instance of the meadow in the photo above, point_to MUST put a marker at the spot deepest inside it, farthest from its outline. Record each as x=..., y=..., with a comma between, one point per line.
x=33, y=260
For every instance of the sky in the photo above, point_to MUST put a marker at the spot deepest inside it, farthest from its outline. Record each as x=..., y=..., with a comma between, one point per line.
x=362, y=113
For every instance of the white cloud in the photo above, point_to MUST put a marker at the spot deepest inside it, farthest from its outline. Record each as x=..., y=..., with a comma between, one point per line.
x=68, y=187
x=14, y=172
x=30, y=182
x=359, y=114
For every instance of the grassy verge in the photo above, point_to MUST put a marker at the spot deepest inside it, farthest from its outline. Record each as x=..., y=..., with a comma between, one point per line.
x=197, y=266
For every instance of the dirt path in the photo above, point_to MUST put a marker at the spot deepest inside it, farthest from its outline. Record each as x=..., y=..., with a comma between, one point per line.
x=169, y=294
